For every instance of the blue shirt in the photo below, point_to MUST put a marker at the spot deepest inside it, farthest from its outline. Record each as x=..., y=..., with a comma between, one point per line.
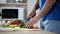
x=53, y=13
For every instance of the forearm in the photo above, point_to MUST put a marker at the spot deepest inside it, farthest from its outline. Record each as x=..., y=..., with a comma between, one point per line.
x=48, y=4
x=31, y=13
x=34, y=9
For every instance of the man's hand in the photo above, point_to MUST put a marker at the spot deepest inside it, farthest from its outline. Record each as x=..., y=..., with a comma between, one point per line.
x=31, y=22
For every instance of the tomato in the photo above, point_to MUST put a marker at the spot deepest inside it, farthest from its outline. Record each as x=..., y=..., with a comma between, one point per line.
x=14, y=23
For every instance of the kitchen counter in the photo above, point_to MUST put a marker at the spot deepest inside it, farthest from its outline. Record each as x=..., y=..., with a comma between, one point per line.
x=26, y=31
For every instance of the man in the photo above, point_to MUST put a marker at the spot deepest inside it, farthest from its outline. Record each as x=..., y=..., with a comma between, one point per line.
x=49, y=15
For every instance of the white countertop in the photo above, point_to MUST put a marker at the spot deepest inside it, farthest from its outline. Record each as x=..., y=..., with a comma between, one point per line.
x=26, y=31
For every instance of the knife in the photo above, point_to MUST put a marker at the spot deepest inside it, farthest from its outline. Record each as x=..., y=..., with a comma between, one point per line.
x=26, y=20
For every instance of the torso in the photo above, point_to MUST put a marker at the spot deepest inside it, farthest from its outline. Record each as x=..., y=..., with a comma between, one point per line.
x=53, y=13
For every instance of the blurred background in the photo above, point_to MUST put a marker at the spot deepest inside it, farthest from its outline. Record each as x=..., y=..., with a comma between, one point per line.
x=13, y=10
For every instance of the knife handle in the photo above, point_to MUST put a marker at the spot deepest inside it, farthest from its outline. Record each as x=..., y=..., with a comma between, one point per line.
x=26, y=20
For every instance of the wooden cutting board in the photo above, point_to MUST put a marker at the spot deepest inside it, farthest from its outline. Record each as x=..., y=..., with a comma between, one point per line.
x=17, y=29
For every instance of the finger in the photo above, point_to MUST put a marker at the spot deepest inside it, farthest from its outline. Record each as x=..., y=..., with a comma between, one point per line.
x=30, y=25
x=27, y=25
